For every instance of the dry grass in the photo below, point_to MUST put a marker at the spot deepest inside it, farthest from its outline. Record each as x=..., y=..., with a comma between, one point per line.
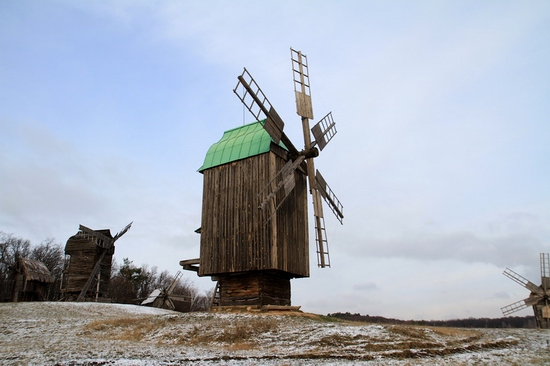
x=125, y=329
x=229, y=332
x=455, y=332
x=248, y=333
x=410, y=331
x=234, y=335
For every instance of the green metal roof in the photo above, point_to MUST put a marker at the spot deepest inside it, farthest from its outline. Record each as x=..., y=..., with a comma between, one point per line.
x=239, y=143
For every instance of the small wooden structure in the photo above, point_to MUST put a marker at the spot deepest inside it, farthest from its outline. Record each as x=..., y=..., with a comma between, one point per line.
x=539, y=297
x=32, y=279
x=165, y=298
x=88, y=272
x=252, y=256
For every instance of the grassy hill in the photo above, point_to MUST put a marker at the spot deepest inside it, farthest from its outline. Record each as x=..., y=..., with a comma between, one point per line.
x=113, y=334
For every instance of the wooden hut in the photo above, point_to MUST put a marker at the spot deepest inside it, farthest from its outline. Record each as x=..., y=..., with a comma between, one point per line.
x=252, y=253
x=32, y=279
x=85, y=249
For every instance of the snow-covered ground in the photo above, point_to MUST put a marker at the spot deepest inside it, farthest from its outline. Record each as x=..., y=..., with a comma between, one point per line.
x=114, y=334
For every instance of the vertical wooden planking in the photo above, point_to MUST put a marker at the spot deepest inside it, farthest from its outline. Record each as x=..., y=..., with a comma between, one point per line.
x=235, y=236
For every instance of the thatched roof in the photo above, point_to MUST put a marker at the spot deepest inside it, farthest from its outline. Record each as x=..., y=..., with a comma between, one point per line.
x=35, y=270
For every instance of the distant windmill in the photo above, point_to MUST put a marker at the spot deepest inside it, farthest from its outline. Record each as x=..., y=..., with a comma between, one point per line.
x=88, y=271
x=254, y=231
x=539, y=297
x=166, y=299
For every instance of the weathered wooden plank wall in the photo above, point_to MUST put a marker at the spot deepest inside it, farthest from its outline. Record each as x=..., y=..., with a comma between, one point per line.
x=84, y=253
x=235, y=233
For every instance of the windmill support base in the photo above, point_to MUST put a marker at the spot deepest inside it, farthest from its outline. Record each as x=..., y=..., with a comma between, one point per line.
x=254, y=289
x=265, y=308
x=542, y=315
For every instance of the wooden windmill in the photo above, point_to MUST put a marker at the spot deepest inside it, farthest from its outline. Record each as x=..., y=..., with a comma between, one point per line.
x=88, y=270
x=165, y=298
x=254, y=230
x=539, y=296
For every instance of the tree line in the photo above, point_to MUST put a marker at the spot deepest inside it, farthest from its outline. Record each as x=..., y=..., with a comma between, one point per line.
x=129, y=284
x=507, y=322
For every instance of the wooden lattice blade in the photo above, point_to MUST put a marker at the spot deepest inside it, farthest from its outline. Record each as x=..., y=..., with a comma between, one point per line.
x=329, y=196
x=324, y=131
x=323, y=258
x=254, y=99
x=520, y=305
x=523, y=281
x=545, y=271
x=174, y=283
x=300, y=72
x=122, y=232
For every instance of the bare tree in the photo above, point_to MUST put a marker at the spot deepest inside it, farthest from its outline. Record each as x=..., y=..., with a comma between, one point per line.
x=11, y=250
x=202, y=301
x=164, y=279
x=148, y=281
x=52, y=255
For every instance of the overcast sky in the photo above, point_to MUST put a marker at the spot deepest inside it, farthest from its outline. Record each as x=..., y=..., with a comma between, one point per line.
x=441, y=160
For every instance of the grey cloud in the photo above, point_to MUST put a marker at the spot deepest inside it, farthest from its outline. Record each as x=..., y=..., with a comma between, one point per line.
x=365, y=286
x=507, y=250
x=501, y=295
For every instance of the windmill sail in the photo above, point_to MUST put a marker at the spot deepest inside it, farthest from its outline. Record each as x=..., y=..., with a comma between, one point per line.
x=538, y=299
x=304, y=109
x=523, y=281
x=284, y=179
x=329, y=196
x=520, y=305
x=122, y=232
x=545, y=271
x=257, y=103
x=324, y=131
x=300, y=72
x=250, y=94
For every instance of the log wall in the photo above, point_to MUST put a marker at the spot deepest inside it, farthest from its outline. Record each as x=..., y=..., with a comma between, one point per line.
x=256, y=289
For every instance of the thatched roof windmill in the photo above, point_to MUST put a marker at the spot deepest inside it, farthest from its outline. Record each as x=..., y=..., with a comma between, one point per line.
x=539, y=298
x=254, y=232
x=32, y=278
x=88, y=271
